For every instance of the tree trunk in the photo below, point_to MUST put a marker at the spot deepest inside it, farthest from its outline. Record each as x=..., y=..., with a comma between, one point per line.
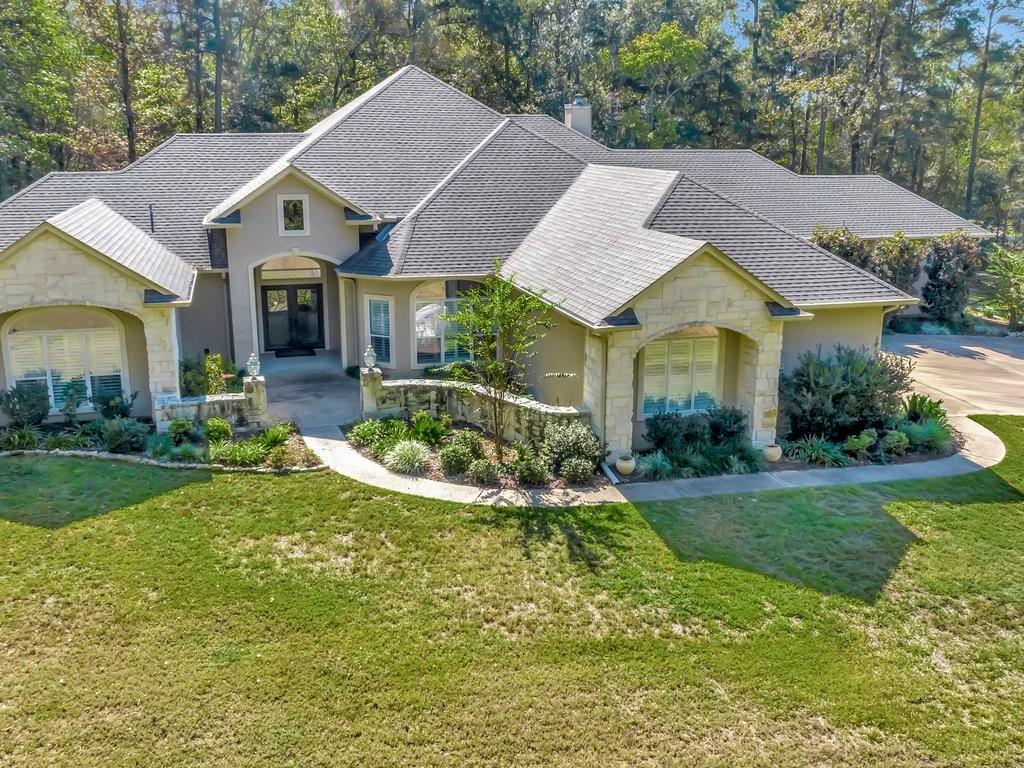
x=121, y=11
x=806, y=136
x=197, y=64
x=218, y=77
x=972, y=165
x=819, y=165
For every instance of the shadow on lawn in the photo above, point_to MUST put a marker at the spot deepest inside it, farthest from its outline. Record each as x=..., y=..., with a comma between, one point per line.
x=52, y=492
x=836, y=541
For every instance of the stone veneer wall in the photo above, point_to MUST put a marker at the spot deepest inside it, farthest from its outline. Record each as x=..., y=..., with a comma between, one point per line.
x=702, y=290
x=463, y=402
x=51, y=271
x=247, y=408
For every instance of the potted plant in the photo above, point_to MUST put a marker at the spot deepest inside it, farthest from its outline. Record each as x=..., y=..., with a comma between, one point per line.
x=625, y=464
x=773, y=452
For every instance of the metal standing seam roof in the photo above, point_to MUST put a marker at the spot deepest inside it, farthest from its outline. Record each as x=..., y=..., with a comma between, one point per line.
x=102, y=229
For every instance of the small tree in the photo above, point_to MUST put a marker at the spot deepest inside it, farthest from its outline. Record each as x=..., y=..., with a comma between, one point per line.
x=844, y=244
x=499, y=326
x=952, y=262
x=26, y=404
x=74, y=395
x=1006, y=270
x=897, y=260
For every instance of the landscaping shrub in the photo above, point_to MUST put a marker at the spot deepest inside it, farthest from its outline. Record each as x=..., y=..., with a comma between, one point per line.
x=117, y=407
x=842, y=395
x=62, y=441
x=483, y=471
x=217, y=429
x=365, y=433
x=213, y=374
x=727, y=425
x=577, y=470
x=897, y=259
x=469, y=439
x=571, y=440
x=928, y=435
x=188, y=454
x=455, y=459
x=931, y=328
x=23, y=438
x=74, y=395
x=952, y=262
x=160, y=446
x=26, y=404
x=244, y=453
x=409, y=457
x=427, y=429
x=279, y=457
x=530, y=469
x=674, y=432
x=392, y=431
x=918, y=408
x=655, y=466
x=124, y=435
x=844, y=244
x=895, y=443
x=816, y=450
x=858, y=445
x=180, y=430
x=275, y=435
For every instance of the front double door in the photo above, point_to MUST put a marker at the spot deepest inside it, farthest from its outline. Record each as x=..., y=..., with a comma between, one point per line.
x=293, y=317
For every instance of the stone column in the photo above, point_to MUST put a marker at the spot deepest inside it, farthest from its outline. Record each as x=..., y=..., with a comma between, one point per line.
x=161, y=353
x=619, y=396
x=371, y=384
x=255, y=390
x=764, y=414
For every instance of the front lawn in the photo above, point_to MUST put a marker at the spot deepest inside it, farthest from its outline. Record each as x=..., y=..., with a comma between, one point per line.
x=157, y=617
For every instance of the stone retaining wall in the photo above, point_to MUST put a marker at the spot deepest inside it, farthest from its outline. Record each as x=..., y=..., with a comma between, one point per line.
x=468, y=403
x=247, y=408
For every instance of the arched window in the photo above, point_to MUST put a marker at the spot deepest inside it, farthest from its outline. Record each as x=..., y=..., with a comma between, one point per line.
x=433, y=303
x=680, y=374
x=54, y=347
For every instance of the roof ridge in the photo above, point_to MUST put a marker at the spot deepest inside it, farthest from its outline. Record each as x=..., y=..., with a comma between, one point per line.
x=559, y=123
x=440, y=187
x=782, y=229
x=546, y=140
x=140, y=160
x=459, y=91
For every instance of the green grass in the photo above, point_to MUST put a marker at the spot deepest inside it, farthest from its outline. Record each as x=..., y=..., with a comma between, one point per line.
x=152, y=617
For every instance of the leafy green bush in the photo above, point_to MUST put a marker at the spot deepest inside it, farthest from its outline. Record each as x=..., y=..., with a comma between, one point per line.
x=180, y=430
x=244, y=453
x=409, y=457
x=842, y=395
x=23, y=438
x=530, y=469
x=62, y=441
x=816, y=450
x=918, y=408
x=897, y=259
x=471, y=440
x=279, y=457
x=392, y=432
x=895, y=443
x=727, y=424
x=26, y=404
x=655, y=466
x=117, y=407
x=124, y=435
x=951, y=263
x=928, y=435
x=368, y=433
x=858, y=445
x=213, y=374
x=483, y=471
x=217, y=429
x=160, y=445
x=844, y=244
x=571, y=440
x=275, y=435
x=188, y=454
x=427, y=429
x=674, y=432
x=577, y=470
x=455, y=459
x=74, y=396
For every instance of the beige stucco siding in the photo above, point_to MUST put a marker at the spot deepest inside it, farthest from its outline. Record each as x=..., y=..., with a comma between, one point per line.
x=205, y=325
x=257, y=241
x=560, y=351
x=853, y=327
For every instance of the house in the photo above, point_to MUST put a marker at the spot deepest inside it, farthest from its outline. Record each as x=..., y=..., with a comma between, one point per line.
x=673, y=277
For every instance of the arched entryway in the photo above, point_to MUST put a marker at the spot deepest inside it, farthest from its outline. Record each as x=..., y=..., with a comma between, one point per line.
x=296, y=304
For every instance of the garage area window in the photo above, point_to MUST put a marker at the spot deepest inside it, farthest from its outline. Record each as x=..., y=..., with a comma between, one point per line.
x=55, y=359
x=679, y=375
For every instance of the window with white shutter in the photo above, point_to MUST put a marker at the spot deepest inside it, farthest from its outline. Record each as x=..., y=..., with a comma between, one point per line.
x=379, y=324
x=679, y=375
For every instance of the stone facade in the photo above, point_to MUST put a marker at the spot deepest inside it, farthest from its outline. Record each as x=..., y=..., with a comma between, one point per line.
x=246, y=409
x=701, y=291
x=463, y=402
x=48, y=270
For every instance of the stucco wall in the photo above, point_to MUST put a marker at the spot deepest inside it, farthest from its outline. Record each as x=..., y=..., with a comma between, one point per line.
x=560, y=351
x=205, y=324
x=856, y=327
x=48, y=270
x=257, y=241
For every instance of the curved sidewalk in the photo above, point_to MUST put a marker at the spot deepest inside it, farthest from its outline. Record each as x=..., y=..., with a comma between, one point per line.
x=981, y=450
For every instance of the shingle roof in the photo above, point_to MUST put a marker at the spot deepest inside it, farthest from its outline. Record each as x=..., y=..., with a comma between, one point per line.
x=97, y=226
x=182, y=179
x=480, y=212
x=800, y=272
x=590, y=254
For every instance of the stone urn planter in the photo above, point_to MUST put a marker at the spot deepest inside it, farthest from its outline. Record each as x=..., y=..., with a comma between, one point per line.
x=625, y=465
x=773, y=452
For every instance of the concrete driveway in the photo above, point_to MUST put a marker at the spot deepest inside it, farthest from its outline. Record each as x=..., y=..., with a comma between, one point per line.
x=970, y=374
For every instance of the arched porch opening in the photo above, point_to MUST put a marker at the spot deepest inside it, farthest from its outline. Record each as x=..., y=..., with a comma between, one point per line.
x=296, y=303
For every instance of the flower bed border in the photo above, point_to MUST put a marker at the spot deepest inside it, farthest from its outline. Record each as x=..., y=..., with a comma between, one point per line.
x=144, y=460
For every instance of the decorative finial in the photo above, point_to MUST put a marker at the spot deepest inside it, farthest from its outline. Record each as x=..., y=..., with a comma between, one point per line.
x=252, y=365
x=369, y=357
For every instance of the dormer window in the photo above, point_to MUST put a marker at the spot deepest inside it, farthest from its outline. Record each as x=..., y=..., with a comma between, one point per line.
x=292, y=215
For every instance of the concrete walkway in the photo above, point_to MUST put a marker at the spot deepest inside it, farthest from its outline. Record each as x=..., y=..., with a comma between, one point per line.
x=981, y=449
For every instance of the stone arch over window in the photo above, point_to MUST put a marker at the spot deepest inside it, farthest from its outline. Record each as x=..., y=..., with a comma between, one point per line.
x=433, y=334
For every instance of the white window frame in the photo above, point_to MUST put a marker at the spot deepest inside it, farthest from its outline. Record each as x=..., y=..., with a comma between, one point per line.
x=414, y=361
x=281, y=231
x=640, y=414
x=367, y=298
x=88, y=407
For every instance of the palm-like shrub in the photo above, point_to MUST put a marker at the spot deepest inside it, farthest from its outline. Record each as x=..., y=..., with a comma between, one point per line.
x=655, y=466
x=816, y=450
x=408, y=457
x=427, y=429
x=928, y=435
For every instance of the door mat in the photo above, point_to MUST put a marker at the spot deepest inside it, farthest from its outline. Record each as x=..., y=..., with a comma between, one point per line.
x=295, y=353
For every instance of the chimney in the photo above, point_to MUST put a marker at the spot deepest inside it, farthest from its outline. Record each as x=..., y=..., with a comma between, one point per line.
x=577, y=115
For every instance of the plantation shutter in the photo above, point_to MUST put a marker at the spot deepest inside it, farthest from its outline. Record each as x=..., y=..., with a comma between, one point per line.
x=705, y=373
x=380, y=329
x=27, y=360
x=65, y=355
x=680, y=374
x=104, y=356
x=655, y=386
